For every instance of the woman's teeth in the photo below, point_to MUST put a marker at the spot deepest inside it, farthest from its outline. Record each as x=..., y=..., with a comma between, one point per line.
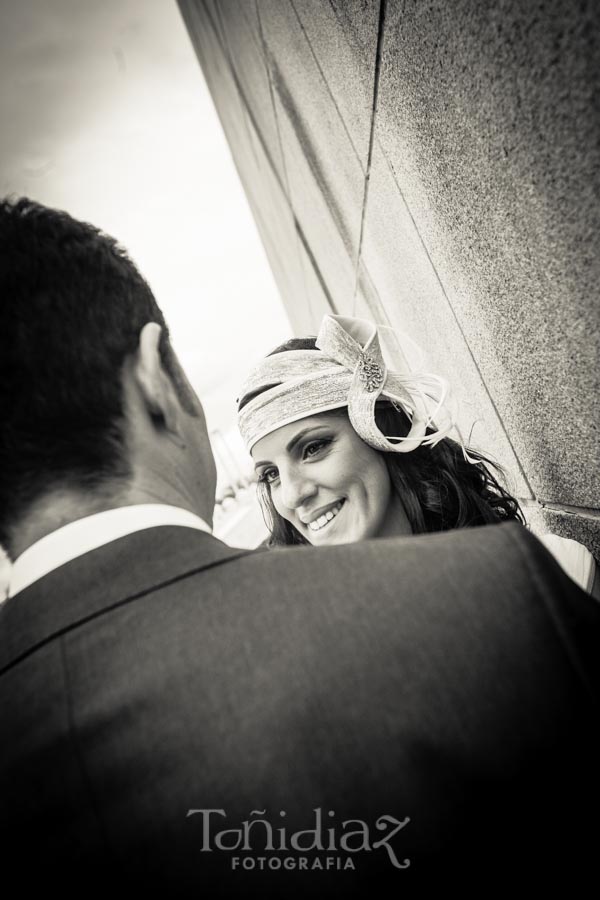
x=322, y=521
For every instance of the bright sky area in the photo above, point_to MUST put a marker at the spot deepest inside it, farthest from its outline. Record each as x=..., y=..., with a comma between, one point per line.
x=105, y=113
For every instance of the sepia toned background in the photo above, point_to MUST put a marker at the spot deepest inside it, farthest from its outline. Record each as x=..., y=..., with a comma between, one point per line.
x=434, y=166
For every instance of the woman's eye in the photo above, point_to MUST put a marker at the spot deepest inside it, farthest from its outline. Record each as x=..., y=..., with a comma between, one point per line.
x=268, y=476
x=314, y=447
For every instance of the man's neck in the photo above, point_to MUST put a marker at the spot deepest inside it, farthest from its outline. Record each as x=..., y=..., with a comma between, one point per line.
x=64, y=505
x=58, y=508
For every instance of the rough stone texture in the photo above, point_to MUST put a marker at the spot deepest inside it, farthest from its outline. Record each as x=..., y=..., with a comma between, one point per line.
x=436, y=166
x=334, y=251
x=488, y=114
x=326, y=189
x=253, y=155
x=410, y=292
x=343, y=38
x=243, y=40
x=318, y=301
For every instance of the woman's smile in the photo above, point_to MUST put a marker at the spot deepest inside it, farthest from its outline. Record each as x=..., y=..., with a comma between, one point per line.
x=322, y=519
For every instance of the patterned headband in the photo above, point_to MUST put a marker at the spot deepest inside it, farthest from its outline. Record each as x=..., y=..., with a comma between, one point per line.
x=349, y=371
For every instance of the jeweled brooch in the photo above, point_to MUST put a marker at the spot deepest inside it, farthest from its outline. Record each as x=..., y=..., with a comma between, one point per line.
x=370, y=373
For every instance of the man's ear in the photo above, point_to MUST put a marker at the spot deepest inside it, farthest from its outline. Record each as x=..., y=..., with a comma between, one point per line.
x=153, y=382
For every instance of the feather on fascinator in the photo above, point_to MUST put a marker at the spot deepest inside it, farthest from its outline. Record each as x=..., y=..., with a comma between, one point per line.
x=349, y=371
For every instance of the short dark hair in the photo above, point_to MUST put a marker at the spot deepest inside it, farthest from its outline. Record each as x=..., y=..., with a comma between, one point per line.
x=72, y=305
x=439, y=488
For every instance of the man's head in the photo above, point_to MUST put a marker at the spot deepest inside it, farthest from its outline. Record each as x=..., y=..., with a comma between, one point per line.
x=90, y=390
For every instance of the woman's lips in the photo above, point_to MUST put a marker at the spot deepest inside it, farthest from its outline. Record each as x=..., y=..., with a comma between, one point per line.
x=325, y=518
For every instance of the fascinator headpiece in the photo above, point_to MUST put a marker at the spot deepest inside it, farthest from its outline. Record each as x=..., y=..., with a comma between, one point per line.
x=349, y=371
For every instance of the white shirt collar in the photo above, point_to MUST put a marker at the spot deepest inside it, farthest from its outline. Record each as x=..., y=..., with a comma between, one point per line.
x=83, y=535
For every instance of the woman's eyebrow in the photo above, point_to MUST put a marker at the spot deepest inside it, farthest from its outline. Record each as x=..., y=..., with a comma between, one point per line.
x=302, y=434
x=295, y=440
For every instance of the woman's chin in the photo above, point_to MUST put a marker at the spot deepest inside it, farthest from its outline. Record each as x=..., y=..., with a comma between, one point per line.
x=334, y=537
x=343, y=536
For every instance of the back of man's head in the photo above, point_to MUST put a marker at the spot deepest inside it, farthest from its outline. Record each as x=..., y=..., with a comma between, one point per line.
x=72, y=305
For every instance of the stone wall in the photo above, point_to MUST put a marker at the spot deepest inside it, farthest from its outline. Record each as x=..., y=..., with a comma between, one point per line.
x=436, y=166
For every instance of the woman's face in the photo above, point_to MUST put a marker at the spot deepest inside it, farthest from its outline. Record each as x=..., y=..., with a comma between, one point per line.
x=331, y=486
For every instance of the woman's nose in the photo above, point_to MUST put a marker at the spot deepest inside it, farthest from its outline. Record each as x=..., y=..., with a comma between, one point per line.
x=296, y=488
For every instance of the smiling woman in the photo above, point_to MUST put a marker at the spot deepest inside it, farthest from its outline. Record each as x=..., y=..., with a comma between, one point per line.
x=328, y=483
x=315, y=415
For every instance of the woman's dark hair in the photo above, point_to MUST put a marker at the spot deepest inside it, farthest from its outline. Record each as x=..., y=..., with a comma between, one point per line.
x=439, y=488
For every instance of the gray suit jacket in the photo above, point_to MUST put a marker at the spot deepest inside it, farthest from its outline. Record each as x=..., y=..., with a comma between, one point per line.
x=450, y=680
